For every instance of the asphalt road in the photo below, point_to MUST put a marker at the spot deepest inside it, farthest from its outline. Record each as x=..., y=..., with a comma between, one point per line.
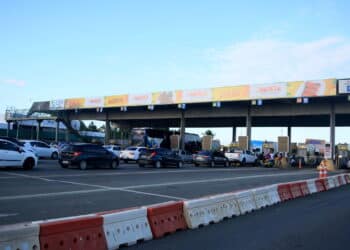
x=319, y=221
x=51, y=192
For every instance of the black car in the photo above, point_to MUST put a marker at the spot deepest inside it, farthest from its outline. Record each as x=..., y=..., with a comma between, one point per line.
x=84, y=155
x=159, y=157
x=210, y=158
x=14, y=140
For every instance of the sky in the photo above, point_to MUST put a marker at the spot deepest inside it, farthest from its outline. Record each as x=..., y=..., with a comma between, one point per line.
x=59, y=49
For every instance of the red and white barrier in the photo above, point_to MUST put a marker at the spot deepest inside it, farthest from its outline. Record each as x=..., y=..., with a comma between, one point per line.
x=203, y=211
x=273, y=193
x=312, y=186
x=262, y=197
x=19, y=236
x=126, y=227
x=246, y=202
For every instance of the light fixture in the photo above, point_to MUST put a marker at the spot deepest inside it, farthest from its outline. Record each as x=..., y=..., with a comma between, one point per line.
x=150, y=107
x=216, y=104
x=181, y=105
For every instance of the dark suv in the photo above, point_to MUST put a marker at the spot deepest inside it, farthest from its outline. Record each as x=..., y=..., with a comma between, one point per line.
x=84, y=155
x=159, y=157
x=210, y=158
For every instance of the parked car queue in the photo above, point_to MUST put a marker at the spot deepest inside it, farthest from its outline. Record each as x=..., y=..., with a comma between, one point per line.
x=26, y=154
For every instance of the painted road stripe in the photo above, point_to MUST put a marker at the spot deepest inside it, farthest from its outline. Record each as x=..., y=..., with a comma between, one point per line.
x=128, y=188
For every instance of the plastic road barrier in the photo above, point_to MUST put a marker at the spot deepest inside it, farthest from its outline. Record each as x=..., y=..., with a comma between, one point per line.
x=166, y=218
x=262, y=197
x=347, y=178
x=79, y=233
x=246, y=202
x=341, y=180
x=320, y=185
x=203, y=211
x=312, y=186
x=126, y=227
x=304, y=188
x=336, y=181
x=273, y=193
x=331, y=183
x=19, y=236
x=295, y=189
x=284, y=192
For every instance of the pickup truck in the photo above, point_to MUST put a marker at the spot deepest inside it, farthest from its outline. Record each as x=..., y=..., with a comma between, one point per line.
x=241, y=157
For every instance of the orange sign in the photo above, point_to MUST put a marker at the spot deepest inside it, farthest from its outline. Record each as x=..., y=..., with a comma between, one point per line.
x=116, y=101
x=74, y=103
x=326, y=87
x=231, y=93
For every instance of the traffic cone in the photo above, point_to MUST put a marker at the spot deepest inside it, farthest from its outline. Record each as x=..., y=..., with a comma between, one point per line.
x=321, y=174
x=325, y=172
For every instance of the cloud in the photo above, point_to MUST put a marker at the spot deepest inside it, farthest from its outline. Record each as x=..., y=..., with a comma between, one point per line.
x=269, y=60
x=18, y=83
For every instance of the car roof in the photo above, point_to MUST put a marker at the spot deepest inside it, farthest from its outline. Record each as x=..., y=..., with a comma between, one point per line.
x=8, y=141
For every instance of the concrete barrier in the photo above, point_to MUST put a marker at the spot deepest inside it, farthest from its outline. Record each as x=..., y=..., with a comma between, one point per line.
x=262, y=197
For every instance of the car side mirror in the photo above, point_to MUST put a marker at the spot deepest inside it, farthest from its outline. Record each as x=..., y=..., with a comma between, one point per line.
x=20, y=150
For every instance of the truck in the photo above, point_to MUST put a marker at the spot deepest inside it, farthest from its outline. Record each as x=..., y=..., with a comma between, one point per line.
x=241, y=157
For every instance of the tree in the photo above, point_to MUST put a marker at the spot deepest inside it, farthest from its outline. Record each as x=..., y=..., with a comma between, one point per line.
x=208, y=132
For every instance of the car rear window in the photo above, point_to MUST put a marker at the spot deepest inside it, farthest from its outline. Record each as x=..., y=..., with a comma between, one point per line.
x=203, y=153
x=131, y=148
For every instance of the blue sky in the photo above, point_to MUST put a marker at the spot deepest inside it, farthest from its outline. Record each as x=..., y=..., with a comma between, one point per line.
x=60, y=49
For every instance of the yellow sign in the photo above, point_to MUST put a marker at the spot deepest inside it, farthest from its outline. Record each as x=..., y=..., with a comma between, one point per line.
x=165, y=97
x=312, y=88
x=233, y=93
x=74, y=103
x=116, y=101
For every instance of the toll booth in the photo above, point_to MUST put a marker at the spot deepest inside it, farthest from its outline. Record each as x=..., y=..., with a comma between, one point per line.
x=342, y=155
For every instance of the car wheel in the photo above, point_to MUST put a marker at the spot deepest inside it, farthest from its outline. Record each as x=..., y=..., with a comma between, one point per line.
x=212, y=164
x=196, y=164
x=83, y=165
x=28, y=164
x=114, y=164
x=243, y=162
x=141, y=165
x=54, y=156
x=126, y=161
x=180, y=164
x=226, y=164
x=158, y=164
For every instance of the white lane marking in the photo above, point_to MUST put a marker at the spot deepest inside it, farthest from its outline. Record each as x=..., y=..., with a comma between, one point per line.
x=214, y=180
x=30, y=176
x=152, y=194
x=150, y=172
x=128, y=188
x=7, y=215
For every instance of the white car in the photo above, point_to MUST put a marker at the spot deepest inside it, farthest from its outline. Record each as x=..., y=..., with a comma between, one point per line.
x=131, y=153
x=41, y=149
x=11, y=155
x=114, y=149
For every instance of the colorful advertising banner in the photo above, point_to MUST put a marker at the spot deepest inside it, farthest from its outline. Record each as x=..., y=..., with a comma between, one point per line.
x=74, y=103
x=139, y=99
x=233, y=93
x=344, y=86
x=165, y=97
x=312, y=88
x=268, y=91
x=57, y=104
x=94, y=102
x=116, y=101
x=195, y=95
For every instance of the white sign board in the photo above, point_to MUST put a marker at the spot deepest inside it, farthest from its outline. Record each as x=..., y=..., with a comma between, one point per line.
x=344, y=86
x=94, y=102
x=57, y=104
x=263, y=91
x=139, y=99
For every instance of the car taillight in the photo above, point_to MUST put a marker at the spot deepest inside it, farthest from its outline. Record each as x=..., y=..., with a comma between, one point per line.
x=153, y=154
x=75, y=154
